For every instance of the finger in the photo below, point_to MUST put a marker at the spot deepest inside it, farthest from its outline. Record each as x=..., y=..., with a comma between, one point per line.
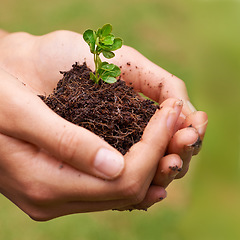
x=183, y=144
x=49, y=180
x=38, y=195
x=154, y=195
x=181, y=118
x=150, y=79
x=168, y=168
x=154, y=141
x=48, y=212
x=25, y=116
x=45, y=212
x=198, y=120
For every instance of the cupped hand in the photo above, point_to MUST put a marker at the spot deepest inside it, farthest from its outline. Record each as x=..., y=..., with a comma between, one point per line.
x=45, y=187
x=29, y=66
x=143, y=75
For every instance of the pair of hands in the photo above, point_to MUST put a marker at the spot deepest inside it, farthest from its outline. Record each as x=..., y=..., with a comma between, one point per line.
x=50, y=167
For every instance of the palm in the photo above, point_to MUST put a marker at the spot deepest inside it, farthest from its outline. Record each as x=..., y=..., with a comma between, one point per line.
x=38, y=60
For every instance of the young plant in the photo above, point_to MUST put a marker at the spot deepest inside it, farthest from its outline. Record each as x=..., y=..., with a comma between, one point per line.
x=103, y=41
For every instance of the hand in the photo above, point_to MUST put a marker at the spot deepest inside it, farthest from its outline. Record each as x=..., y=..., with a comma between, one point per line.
x=40, y=59
x=143, y=75
x=159, y=85
x=45, y=187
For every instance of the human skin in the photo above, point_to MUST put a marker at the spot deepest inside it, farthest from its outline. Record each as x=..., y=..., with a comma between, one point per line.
x=47, y=164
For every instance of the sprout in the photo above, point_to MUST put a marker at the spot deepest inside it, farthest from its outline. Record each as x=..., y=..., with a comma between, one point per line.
x=103, y=41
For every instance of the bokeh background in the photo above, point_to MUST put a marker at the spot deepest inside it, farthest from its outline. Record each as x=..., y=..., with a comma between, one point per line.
x=196, y=40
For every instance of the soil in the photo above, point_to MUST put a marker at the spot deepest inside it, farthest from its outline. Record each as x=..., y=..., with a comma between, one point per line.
x=115, y=112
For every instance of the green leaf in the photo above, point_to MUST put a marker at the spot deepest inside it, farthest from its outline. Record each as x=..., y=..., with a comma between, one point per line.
x=89, y=38
x=115, y=72
x=111, y=71
x=106, y=29
x=108, y=40
x=99, y=32
x=109, y=79
x=118, y=42
x=108, y=55
x=107, y=67
x=104, y=63
x=105, y=47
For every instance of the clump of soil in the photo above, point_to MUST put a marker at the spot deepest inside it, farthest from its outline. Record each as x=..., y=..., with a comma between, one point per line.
x=112, y=111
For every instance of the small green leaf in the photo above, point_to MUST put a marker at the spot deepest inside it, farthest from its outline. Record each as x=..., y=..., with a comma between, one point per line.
x=118, y=42
x=115, y=72
x=105, y=47
x=112, y=71
x=108, y=40
x=104, y=63
x=107, y=67
x=106, y=29
x=109, y=79
x=108, y=55
x=99, y=32
x=89, y=38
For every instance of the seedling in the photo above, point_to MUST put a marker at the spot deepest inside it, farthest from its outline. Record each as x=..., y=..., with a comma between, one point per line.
x=103, y=41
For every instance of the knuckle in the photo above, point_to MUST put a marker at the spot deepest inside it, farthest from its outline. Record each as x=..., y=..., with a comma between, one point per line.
x=36, y=203
x=68, y=143
x=134, y=192
x=36, y=194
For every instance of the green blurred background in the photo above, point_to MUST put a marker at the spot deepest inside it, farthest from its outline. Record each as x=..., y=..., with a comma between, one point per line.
x=196, y=40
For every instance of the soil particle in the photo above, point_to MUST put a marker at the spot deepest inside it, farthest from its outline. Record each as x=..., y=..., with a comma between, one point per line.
x=175, y=168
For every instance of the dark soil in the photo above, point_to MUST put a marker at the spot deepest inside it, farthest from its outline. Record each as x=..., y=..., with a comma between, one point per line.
x=112, y=111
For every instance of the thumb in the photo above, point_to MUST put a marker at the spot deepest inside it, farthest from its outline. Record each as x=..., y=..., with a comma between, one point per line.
x=25, y=116
x=145, y=154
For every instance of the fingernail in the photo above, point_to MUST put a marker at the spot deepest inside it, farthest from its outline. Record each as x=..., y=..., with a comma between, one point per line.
x=195, y=147
x=198, y=143
x=178, y=106
x=175, y=170
x=162, y=196
x=108, y=163
x=202, y=129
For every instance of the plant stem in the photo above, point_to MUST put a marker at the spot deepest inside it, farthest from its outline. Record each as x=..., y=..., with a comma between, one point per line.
x=96, y=66
x=96, y=60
